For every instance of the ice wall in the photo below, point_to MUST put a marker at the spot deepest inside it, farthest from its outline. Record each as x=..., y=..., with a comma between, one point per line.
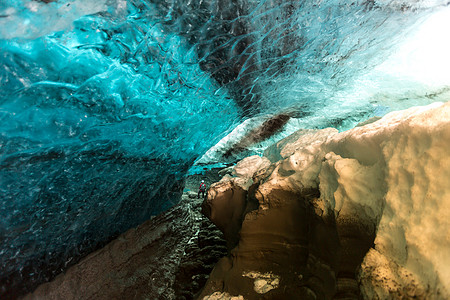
x=104, y=105
x=99, y=125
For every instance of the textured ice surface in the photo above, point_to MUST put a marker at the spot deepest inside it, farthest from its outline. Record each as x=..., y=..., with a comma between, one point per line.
x=98, y=125
x=104, y=105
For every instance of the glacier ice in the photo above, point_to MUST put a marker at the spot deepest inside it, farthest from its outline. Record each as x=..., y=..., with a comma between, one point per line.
x=93, y=141
x=105, y=105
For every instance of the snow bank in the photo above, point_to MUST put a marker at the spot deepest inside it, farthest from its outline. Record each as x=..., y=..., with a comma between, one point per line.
x=387, y=182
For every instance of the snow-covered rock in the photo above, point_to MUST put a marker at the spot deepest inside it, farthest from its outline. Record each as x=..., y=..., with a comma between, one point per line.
x=296, y=141
x=380, y=190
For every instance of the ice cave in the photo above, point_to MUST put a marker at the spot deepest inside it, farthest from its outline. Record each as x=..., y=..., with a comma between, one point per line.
x=321, y=129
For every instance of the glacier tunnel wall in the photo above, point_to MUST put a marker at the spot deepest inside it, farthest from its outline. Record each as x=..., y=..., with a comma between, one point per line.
x=105, y=105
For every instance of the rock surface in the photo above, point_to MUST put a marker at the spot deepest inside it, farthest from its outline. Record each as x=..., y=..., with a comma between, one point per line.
x=167, y=257
x=340, y=215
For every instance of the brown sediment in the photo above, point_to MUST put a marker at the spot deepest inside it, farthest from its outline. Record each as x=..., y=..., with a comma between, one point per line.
x=355, y=243
x=227, y=212
x=259, y=134
x=288, y=240
x=314, y=255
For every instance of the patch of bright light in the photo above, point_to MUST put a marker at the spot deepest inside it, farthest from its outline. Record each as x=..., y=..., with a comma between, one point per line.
x=424, y=57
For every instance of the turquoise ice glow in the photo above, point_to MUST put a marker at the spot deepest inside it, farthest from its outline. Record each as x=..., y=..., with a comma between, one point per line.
x=105, y=105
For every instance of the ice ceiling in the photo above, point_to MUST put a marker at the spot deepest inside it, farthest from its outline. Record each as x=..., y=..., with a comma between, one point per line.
x=105, y=105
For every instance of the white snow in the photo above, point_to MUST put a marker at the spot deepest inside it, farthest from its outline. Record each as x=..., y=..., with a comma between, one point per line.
x=32, y=19
x=249, y=165
x=264, y=282
x=222, y=296
x=394, y=175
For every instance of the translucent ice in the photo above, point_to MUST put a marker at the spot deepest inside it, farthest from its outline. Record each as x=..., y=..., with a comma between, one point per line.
x=104, y=105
